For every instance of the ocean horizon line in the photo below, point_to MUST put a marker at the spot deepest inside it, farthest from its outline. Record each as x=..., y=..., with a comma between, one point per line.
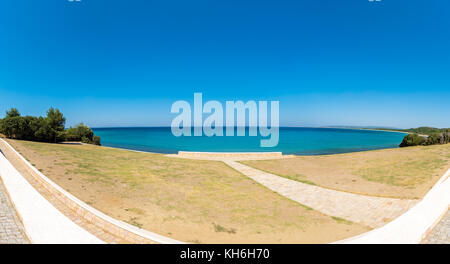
x=338, y=127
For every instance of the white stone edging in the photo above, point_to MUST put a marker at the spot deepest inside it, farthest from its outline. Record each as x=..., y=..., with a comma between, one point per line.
x=220, y=156
x=120, y=224
x=415, y=224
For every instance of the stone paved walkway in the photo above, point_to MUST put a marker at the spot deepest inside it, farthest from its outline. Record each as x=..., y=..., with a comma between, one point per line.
x=11, y=229
x=440, y=233
x=368, y=210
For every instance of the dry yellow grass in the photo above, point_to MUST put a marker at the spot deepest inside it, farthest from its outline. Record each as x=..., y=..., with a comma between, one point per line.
x=189, y=200
x=401, y=172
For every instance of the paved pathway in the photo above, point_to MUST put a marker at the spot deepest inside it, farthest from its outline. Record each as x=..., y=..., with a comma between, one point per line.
x=368, y=210
x=441, y=232
x=11, y=229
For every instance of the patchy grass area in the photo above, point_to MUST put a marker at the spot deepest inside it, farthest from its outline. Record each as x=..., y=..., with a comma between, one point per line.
x=402, y=172
x=189, y=200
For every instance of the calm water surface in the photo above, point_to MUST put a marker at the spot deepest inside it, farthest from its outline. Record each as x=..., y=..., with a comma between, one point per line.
x=301, y=141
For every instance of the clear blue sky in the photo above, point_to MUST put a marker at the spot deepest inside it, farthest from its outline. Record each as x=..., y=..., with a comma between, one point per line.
x=329, y=62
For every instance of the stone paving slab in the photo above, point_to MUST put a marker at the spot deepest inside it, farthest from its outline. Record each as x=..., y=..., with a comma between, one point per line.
x=367, y=210
x=11, y=229
x=440, y=233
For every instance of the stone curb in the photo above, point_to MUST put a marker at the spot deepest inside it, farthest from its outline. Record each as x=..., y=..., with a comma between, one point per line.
x=233, y=155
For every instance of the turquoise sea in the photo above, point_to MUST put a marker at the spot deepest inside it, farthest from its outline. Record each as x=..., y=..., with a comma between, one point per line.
x=301, y=141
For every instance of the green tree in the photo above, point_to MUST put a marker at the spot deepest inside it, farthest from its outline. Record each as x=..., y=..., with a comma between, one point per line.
x=44, y=132
x=56, y=119
x=54, y=126
x=13, y=112
x=8, y=126
x=47, y=129
x=14, y=127
x=33, y=124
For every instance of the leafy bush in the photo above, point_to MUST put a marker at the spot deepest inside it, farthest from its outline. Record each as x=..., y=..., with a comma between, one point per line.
x=443, y=138
x=79, y=132
x=96, y=141
x=432, y=139
x=412, y=140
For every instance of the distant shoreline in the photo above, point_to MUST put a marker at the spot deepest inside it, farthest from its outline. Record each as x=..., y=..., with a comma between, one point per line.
x=385, y=130
x=372, y=129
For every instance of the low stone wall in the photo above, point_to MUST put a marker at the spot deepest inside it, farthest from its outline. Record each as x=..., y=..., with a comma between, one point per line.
x=230, y=155
x=109, y=224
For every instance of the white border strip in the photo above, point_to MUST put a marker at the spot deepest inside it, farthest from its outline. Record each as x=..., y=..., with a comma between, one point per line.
x=414, y=225
x=138, y=231
x=230, y=153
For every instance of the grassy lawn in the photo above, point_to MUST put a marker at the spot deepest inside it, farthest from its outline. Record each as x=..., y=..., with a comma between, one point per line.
x=402, y=172
x=190, y=200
